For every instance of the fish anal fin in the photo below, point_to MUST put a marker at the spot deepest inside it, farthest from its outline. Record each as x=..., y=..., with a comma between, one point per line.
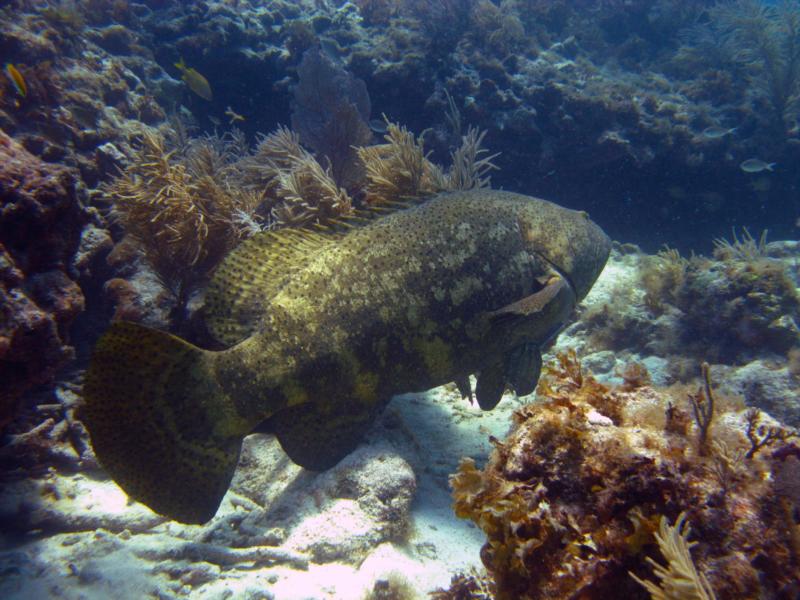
x=317, y=437
x=464, y=387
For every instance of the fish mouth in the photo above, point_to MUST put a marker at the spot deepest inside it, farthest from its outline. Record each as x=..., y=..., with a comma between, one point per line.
x=556, y=271
x=567, y=242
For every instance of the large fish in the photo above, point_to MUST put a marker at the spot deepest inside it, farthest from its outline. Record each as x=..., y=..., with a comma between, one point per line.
x=324, y=328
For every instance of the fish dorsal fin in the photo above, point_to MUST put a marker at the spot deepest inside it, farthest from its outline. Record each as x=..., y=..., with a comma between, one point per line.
x=261, y=265
x=363, y=216
x=252, y=274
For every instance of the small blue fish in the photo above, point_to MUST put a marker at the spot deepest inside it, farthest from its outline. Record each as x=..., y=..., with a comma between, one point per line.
x=756, y=165
x=378, y=126
x=715, y=132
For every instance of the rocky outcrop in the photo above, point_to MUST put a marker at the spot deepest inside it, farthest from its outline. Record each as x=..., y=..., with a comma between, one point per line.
x=41, y=219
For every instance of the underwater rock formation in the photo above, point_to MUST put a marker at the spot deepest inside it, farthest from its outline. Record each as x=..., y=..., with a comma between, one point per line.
x=41, y=219
x=571, y=499
x=738, y=311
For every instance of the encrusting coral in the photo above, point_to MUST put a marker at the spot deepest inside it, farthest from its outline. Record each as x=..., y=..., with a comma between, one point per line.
x=573, y=500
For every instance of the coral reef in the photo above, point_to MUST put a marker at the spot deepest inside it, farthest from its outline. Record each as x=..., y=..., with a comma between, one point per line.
x=730, y=308
x=571, y=500
x=760, y=42
x=575, y=94
x=181, y=209
x=41, y=218
x=609, y=106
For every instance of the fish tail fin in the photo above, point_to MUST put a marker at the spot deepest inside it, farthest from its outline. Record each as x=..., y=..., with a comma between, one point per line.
x=160, y=423
x=180, y=64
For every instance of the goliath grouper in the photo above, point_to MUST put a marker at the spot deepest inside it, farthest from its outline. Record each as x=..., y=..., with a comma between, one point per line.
x=323, y=328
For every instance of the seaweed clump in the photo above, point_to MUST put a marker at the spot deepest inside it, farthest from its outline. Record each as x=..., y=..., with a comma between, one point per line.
x=576, y=503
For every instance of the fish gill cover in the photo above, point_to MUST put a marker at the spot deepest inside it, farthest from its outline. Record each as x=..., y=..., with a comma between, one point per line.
x=155, y=198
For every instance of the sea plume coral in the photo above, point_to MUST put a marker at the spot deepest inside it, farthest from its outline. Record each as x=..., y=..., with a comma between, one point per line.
x=179, y=209
x=292, y=184
x=760, y=41
x=400, y=168
x=469, y=169
x=309, y=193
x=679, y=580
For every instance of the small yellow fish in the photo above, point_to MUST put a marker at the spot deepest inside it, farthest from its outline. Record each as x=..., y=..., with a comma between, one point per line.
x=196, y=82
x=17, y=79
x=234, y=116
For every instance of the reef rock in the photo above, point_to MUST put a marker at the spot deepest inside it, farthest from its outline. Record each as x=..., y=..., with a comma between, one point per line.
x=41, y=219
x=570, y=501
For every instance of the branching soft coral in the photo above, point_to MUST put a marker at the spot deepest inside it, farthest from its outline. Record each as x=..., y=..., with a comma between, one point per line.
x=470, y=170
x=296, y=189
x=183, y=216
x=764, y=41
x=274, y=153
x=679, y=580
x=309, y=194
x=400, y=168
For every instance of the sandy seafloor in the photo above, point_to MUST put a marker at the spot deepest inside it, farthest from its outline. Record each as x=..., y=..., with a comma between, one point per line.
x=429, y=431
x=282, y=532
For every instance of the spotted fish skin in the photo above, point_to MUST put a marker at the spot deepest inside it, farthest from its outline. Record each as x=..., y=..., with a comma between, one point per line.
x=402, y=304
x=467, y=282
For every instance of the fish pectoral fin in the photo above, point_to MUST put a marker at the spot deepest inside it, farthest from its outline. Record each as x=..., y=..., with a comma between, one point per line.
x=464, y=387
x=534, y=303
x=317, y=437
x=523, y=366
x=491, y=385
